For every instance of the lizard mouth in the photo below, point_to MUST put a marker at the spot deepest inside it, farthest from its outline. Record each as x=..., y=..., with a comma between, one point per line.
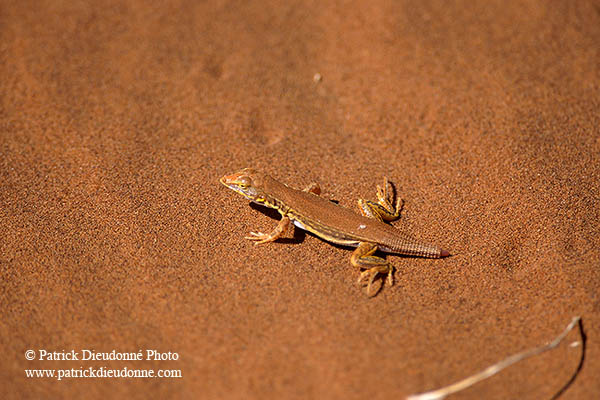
x=230, y=185
x=226, y=180
x=231, y=181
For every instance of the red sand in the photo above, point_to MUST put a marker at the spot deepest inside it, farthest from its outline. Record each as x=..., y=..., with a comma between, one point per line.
x=117, y=120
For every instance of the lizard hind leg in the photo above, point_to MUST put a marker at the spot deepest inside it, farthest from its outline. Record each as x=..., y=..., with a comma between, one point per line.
x=363, y=258
x=383, y=210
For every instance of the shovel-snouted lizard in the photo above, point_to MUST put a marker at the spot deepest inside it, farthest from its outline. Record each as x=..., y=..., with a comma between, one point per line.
x=331, y=222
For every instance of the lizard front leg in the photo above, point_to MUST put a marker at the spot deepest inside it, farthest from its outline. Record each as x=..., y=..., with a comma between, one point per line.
x=383, y=209
x=363, y=258
x=270, y=237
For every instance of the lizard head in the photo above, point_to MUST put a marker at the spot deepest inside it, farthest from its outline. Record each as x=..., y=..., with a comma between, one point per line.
x=247, y=182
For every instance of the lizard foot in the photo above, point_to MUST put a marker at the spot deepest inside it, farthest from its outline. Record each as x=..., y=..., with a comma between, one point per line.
x=371, y=274
x=279, y=230
x=259, y=237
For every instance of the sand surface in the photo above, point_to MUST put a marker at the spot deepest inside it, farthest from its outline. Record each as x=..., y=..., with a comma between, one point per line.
x=118, y=118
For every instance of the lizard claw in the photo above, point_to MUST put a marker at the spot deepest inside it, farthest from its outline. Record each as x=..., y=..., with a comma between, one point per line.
x=255, y=235
x=382, y=195
x=385, y=197
x=390, y=277
x=372, y=274
x=259, y=237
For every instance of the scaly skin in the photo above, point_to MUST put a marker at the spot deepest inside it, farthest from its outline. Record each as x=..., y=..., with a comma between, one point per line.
x=367, y=232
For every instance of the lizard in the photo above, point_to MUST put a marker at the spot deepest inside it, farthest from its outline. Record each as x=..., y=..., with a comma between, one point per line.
x=307, y=210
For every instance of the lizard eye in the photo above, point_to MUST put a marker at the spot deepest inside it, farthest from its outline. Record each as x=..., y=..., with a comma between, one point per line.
x=244, y=182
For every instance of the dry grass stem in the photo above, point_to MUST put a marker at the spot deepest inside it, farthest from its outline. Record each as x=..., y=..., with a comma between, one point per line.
x=493, y=369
